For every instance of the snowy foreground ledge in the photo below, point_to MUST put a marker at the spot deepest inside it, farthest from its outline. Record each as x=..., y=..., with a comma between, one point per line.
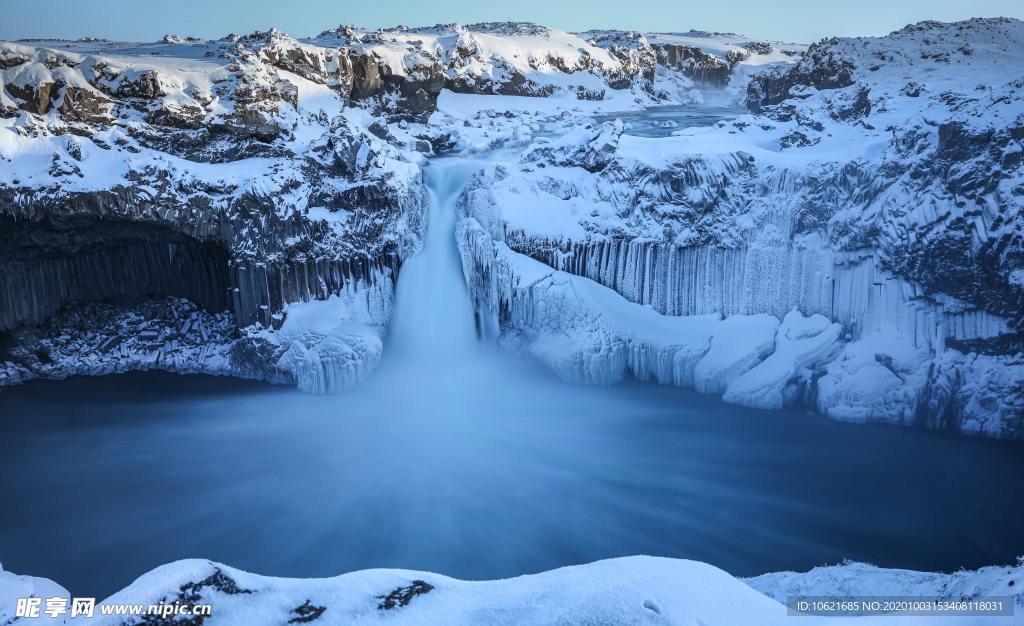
x=631, y=590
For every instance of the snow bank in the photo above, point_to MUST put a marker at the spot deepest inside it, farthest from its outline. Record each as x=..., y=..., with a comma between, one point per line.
x=800, y=343
x=740, y=342
x=13, y=586
x=863, y=579
x=630, y=590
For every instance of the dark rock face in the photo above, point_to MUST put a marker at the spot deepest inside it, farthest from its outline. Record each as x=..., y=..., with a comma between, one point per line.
x=82, y=105
x=34, y=98
x=639, y=59
x=117, y=336
x=822, y=67
x=694, y=63
x=971, y=163
x=147, y=86
x=262, y=290
x=758, y=47
x=47, y=266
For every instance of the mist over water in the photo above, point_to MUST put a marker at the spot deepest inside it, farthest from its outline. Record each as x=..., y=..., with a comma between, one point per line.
x=455, y=459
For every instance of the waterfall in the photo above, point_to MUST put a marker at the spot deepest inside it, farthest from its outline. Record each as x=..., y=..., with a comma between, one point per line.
x=434, y=364
x=433, y=317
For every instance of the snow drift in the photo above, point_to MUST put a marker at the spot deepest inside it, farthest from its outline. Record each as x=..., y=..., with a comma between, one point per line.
x=631, y=590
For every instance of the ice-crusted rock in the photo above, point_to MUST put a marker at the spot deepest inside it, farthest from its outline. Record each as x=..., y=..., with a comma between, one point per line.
x=883, y=378
x=876, y=378
x=170, y=334
x=739, y=343
x=590, y=148
x=591, y=335
x=331, y=345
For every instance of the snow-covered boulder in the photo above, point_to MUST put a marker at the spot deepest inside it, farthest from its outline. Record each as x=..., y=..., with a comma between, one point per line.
x=877, y=378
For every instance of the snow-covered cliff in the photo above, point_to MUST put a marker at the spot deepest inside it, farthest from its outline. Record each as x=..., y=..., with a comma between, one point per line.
x=199, y=170
x=872, y=204
x=164, y=205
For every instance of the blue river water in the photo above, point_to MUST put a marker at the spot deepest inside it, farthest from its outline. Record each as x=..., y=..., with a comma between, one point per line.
x=105, y=478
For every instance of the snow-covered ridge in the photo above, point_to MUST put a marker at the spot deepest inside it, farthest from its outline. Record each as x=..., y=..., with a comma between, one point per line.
x=631, y=590
x=859, y=193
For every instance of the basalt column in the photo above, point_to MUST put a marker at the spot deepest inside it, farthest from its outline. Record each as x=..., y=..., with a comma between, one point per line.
x=46, y=266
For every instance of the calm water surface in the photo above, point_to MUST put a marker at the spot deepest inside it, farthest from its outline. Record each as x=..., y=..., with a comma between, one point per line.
x=108, y=477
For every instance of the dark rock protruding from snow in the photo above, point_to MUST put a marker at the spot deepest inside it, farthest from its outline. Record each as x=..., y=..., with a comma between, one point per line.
x=402, y=596
x=306, y=612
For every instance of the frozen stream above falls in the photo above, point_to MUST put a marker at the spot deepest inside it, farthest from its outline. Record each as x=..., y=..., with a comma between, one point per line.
x=455, y=459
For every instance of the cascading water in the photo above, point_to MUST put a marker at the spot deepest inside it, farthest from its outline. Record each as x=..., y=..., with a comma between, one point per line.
x=432, y=352
x=433, y=315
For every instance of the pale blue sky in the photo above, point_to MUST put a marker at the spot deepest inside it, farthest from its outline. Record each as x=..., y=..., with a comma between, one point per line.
x=790, y=20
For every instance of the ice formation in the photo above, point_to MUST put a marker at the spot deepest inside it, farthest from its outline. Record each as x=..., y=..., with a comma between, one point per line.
x=885, y=213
